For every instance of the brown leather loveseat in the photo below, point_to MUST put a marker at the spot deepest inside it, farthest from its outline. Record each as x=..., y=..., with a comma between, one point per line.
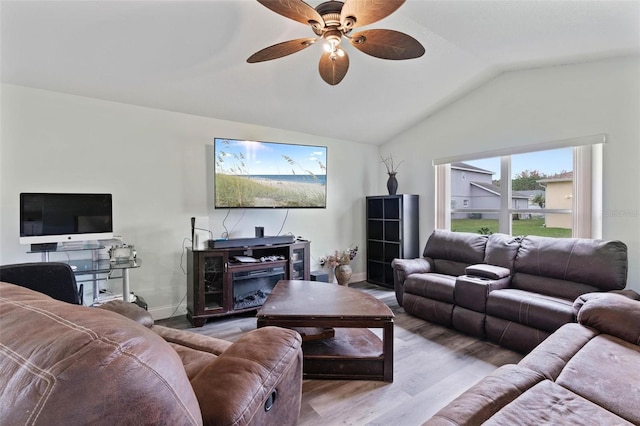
x=583, y=374
x=68, y=364
x=515, y=291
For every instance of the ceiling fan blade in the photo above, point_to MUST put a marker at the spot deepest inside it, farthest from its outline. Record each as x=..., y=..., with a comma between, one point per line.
x=281, y=49
x=294, y=9
x=367, y=12
x=387, y=44
x=333, y=69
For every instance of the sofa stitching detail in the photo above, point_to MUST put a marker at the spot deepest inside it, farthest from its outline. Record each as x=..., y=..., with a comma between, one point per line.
x=38, y=372
x=95, y=337
x=523, y=312
x=566, y=266
x=504, y=332
x=60, y=320
x=538, y=259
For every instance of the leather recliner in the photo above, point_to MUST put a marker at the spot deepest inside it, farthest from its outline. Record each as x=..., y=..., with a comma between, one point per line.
x=68, y=364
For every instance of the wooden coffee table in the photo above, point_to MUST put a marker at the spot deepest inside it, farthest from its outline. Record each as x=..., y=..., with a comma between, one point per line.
x=343, y=346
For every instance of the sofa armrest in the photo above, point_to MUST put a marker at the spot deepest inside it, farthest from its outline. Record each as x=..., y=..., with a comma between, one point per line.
x=129, y=310
x=407, y=267
x=612, y=314
x=402, y=268
x=257, y=380
x=487, y=271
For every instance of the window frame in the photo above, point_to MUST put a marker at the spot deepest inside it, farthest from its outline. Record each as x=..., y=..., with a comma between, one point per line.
x=586, y=207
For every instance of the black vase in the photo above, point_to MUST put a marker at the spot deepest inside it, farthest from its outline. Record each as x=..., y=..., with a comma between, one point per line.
x=392, y=184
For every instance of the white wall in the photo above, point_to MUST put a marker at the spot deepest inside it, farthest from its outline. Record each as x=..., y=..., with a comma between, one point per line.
x=534, y=106
x=153, y=162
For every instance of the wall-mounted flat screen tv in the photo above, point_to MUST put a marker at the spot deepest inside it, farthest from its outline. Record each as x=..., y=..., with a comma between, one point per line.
x=54, y=218
x=252, y=174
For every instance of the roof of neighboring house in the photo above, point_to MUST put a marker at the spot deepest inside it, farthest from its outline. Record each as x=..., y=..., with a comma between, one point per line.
x=559, y=177
x=469, y=167
x=531, y=193
x=495, y=189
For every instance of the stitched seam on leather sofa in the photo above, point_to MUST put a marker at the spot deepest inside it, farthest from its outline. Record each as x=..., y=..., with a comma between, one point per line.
x=38, y=372
x=53, y=317
x=523, y=317
x=566, y=266
x=504, y=332
x=103, y=339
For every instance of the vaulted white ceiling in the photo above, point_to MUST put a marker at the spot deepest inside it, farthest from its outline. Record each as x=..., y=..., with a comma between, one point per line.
x=190, y=57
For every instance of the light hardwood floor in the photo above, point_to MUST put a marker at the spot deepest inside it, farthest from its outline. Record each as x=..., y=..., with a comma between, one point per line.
x=432, y=365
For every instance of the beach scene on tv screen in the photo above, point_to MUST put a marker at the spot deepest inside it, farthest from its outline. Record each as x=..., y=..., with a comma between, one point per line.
x=269, y=175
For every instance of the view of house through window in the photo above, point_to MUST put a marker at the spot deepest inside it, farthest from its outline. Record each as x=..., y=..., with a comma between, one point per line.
x=541, y=194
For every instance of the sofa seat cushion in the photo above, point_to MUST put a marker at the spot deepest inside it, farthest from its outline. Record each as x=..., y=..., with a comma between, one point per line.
x=196, y=351
x=552, y=355
x=193, y=360
x=536, y=310
x=606, y=372
x=551, y=404
x=432, y=286
x=551, y=286
x=484, y=399
x=431, y=310
x=513, y=335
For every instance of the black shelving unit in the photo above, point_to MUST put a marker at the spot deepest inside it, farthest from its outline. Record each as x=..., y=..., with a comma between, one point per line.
x=392, y=232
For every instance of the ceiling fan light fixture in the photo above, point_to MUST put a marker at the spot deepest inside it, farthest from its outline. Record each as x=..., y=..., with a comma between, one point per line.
x=332, y=41
x=334, y=19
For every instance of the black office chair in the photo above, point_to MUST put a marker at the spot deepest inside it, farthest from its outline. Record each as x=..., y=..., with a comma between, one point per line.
x=51, y=278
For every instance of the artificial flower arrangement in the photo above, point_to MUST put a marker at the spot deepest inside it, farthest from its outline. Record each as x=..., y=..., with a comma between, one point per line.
x=339, y=258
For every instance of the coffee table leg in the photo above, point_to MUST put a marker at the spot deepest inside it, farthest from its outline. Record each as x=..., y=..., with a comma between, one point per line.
x=387, y=348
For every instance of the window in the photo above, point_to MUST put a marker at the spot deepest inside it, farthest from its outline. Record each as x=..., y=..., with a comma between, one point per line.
x=553, y=189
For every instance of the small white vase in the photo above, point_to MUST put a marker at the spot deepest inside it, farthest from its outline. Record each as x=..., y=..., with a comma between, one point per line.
x=343, y=274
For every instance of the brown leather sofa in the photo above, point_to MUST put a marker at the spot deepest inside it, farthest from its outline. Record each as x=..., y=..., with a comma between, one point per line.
x=68, y=364
x=583, y=374
x=515, y=291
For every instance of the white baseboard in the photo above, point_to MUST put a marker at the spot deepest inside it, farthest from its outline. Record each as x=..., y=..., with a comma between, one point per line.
x=360, y=276
x=167, y=311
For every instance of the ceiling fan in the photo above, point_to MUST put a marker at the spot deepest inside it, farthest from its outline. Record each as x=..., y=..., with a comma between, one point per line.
x=333, y=20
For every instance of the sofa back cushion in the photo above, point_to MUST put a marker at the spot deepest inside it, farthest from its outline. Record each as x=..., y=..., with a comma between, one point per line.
x=501, y=250
x=71, y=364
x=462, y=248
x=595, y=263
